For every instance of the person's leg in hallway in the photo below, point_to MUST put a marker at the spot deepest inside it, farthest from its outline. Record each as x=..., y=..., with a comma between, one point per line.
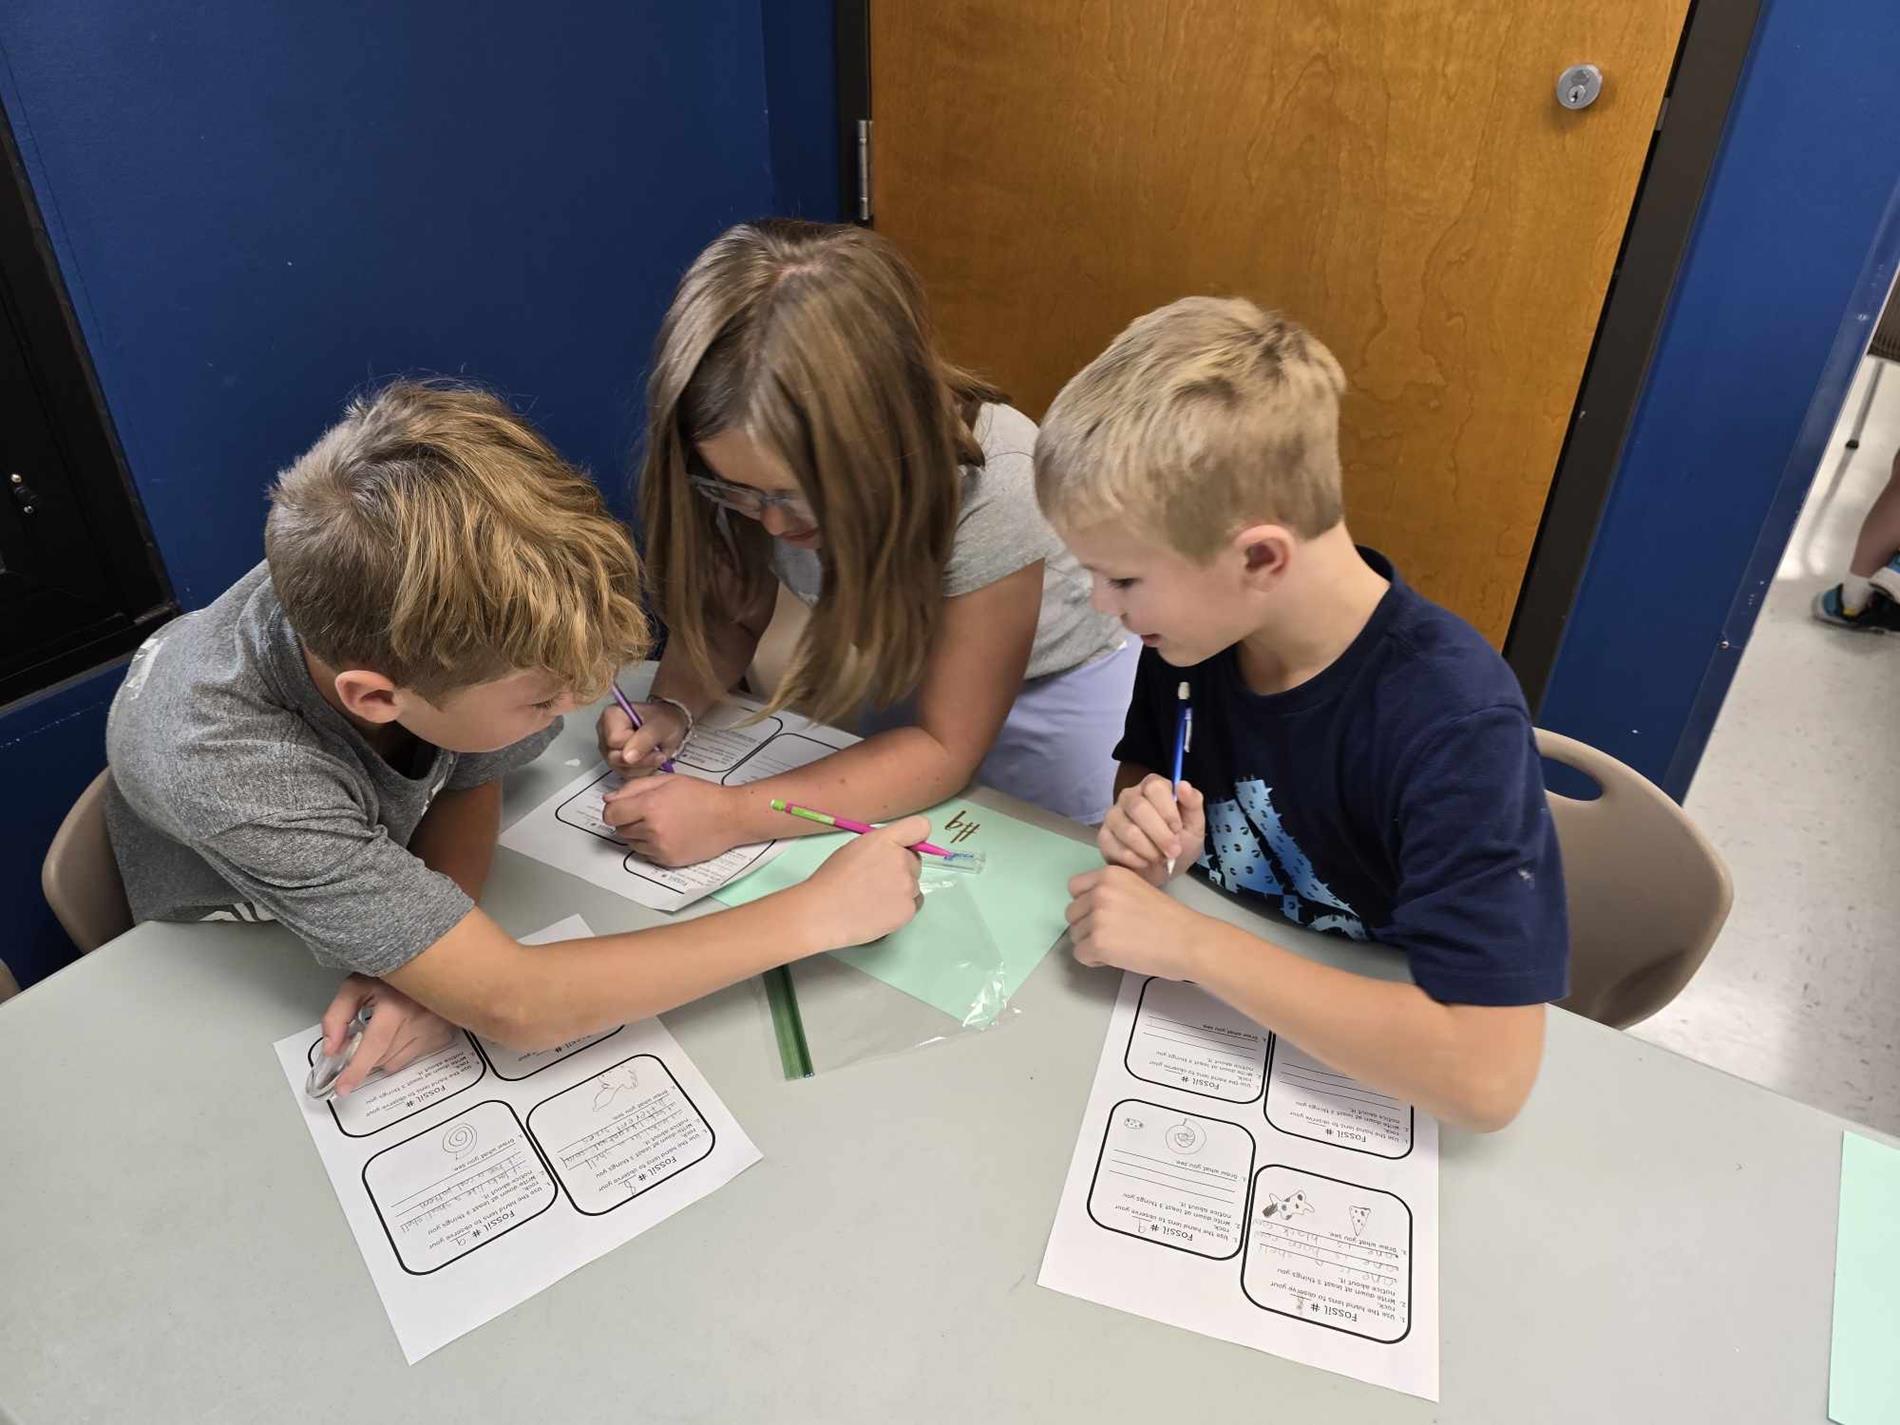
x=1879, y=540
x=1869, y=597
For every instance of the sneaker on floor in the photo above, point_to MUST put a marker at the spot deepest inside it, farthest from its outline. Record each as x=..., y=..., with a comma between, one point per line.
x=1880, y=614
x=1886, y=578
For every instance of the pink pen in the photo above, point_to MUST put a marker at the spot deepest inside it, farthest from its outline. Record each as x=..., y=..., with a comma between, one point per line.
x=962, y=860
x=634, y=718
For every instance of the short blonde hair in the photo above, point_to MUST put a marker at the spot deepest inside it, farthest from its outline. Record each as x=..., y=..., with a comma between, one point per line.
x=1201, y=418
x=433, y=536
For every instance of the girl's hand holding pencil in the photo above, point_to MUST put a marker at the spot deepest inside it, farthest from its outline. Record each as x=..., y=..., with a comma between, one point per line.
x=639, y=739
x=674, y=821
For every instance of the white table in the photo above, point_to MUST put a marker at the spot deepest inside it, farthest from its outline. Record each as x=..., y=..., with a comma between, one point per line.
x=1652, y=1240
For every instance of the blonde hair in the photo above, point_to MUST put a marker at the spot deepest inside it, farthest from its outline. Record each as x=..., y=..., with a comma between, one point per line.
x=1202, y=417
x=815, y=342
x=433, y=536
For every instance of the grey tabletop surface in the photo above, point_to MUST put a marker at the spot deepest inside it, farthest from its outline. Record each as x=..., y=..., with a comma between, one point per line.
x=1651, y=1240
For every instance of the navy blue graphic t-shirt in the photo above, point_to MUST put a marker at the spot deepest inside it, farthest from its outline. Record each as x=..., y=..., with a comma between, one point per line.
x=1396, y=796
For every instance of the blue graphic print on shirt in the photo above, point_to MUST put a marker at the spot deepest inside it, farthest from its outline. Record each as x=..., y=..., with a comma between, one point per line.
x=1236, y=860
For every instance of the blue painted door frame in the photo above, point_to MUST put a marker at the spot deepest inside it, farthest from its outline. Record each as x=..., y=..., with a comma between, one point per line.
x=1793, y=252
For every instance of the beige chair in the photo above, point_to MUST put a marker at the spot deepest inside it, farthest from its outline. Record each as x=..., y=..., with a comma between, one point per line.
x=1886, y=347
x=9, y=987
x=80, y=876
x=1647, y=891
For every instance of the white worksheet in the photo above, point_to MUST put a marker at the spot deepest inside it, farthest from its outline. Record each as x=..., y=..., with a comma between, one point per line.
x=479, y=1176
x=1226, y=1182
x=566, y=831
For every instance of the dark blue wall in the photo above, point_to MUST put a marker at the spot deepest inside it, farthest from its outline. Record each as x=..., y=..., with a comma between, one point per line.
x=801, y=84
x=1794, y=248
x=257, y=208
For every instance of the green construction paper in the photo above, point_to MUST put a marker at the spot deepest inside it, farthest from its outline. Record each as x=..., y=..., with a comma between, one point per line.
x=977, y=937
x=1863, y=1379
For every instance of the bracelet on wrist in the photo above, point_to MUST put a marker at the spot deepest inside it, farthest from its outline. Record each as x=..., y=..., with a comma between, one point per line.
x=685, y=712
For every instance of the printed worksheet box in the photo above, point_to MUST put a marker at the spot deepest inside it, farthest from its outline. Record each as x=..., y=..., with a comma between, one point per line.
x=785, y=752
x=453, y=1188
x=1173, y=1178
x=1309, y=1100
x=586, y=809
x=1330, y=1252
x=387, y=1099
x=1185, y=1038
x=515, y=1064
x=619, y=1134
x=724, y=739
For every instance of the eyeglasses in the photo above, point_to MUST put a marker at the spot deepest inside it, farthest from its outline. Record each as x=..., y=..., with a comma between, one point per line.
x=751, y=502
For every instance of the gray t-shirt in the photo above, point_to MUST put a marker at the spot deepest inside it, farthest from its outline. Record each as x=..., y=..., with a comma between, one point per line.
x=238, y=793
x=1000, y=529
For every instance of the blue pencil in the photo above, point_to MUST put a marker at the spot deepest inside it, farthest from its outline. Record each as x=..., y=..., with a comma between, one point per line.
x=1183, y=735
x=1183, y=730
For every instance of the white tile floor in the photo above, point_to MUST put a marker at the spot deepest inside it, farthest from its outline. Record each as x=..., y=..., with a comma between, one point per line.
x=1800, y=791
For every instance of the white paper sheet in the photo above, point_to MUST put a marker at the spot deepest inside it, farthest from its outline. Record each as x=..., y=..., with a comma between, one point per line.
x=1226, y=1182
x=566, y=831
x=478, y=1176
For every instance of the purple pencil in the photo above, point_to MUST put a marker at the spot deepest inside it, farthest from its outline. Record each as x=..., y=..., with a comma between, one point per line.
x=634, y=718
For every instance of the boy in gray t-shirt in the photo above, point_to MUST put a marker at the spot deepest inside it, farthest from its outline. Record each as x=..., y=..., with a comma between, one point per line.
x=239, y=792
x=321, y=745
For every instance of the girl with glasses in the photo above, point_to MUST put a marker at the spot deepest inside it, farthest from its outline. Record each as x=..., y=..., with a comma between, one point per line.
x=803, y=431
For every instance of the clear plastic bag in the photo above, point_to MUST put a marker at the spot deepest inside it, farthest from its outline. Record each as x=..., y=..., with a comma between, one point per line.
x=832, y=1010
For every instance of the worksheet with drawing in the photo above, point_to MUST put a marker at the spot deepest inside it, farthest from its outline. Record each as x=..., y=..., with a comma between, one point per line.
x=569, y=830
x=479, y=1175
x=1226, y=1182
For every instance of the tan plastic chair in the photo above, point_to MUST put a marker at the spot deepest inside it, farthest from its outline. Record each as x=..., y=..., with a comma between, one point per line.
x=1886, y=347
x=1648, y=894
x=80, y=876
x=9, y=987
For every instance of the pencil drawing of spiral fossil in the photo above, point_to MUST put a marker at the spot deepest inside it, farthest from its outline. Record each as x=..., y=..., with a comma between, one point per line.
x=459, y=1139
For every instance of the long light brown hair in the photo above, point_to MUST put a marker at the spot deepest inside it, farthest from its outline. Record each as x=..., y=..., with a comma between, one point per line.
x=815, y=342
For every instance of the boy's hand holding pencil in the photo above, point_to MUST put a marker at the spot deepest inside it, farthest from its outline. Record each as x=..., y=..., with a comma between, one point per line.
x=867, y=887
x=1158, y=826
x=1154, y=829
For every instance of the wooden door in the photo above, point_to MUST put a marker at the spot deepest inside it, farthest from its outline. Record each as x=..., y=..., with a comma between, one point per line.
x=1398, y=176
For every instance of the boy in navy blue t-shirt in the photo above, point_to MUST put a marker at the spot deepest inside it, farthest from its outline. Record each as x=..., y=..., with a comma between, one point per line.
x=1361, y=759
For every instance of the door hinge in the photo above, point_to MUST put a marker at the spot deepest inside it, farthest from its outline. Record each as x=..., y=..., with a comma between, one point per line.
x=864, y=170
